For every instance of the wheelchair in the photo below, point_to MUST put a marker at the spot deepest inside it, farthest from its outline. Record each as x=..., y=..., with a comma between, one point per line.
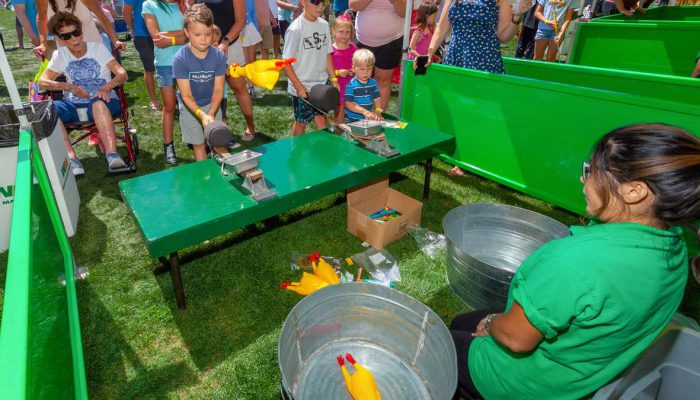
x=125, y=133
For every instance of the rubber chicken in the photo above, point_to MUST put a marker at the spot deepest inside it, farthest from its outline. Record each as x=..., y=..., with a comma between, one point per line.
x=263, y=73
x=323, y=270
x=361, y=384
x=308, y=284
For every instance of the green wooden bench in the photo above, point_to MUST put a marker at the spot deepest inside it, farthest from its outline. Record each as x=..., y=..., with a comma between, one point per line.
x=184, y=206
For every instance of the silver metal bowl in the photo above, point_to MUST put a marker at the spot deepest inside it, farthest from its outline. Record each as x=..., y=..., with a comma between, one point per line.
x=486, y=243
x=240, y=162
x=405, y=345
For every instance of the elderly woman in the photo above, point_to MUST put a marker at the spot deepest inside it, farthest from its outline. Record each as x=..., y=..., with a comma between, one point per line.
x=88, y=68
x=583, y=308
x=379, y=28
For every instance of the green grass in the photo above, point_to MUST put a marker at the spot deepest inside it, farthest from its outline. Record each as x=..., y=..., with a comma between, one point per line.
x=224, y=346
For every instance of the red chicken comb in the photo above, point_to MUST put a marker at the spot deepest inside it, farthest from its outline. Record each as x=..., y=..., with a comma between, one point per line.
x=350, y=359
x=284, y=284
x=341, y=362
x=288, y=61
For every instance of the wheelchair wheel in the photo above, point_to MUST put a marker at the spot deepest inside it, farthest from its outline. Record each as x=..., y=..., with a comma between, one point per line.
x=135, y=144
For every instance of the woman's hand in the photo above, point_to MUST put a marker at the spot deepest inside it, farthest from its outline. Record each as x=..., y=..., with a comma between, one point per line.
x=102, y=94
x=79, y=92
x=558, y=39
x=481, y=329
x=344, y=73
x=525, y=6
x=223, y=47
x=40, y=51
x=162, y=42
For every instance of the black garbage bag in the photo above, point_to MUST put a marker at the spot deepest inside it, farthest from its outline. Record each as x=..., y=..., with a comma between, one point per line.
x=41, y=115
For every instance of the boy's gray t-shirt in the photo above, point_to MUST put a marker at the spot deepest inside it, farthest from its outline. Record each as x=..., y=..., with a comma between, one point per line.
x=310, y=43
x=199, y=71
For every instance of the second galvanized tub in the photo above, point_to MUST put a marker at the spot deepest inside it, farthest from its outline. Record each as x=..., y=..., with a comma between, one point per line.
x=405, y=345
x=486, y=243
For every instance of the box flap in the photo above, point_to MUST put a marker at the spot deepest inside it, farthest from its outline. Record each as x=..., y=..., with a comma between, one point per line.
x=367, y=190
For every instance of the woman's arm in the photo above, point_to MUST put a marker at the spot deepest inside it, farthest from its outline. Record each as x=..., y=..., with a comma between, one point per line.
x=239, y=11
x=42, y=25
x=696, y=71
x=96, y=10
x=443, y=27
x=620, y=5
x=512, y=330
x=506, y=27
x=119, y=78
x=399, y=7
x=20, y=13
x=163, y=39
x=564, y=26
x=47, y=81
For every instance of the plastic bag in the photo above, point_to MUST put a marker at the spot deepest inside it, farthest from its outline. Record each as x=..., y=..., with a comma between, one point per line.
x=380, y=264
x=432, y=244
x=302, y=262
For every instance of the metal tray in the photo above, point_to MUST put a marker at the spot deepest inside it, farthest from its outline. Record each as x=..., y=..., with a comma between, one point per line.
x=241, y=162
x=366, y=127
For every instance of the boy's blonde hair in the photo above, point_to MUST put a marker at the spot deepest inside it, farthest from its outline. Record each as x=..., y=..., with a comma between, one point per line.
x=364, y=56
x=216, y=32
x=198, y=13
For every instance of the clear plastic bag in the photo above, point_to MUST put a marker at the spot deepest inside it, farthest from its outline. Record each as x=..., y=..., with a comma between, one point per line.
x=302, y=262
x=380, y=264
x=432, y=244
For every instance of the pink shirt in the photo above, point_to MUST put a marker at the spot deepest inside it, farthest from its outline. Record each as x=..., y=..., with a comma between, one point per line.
x=378, y=24
x=342, y=59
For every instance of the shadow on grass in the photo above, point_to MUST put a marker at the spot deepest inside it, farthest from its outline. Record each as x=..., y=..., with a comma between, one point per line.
x=113, y=368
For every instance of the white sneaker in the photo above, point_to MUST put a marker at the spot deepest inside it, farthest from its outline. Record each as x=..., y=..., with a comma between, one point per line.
x=115, y=161
x=77, y=167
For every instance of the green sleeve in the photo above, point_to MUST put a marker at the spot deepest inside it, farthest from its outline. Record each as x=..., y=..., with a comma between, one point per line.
x=550, y=291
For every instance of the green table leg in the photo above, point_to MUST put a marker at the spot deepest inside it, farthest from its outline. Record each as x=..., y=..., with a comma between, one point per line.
x=426, y=183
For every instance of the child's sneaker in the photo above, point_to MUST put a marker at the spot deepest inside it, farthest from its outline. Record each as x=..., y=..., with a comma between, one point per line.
x=233, y=145
x=77, y=167
x=253, y=94
x=114, y=161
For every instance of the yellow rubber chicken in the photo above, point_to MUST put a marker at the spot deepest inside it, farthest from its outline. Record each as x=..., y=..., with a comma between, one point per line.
x=308, y=284
x=263, y=73
x=323, y=270
x=361, y=384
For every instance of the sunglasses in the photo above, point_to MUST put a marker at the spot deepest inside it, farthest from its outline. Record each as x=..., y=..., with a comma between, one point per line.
x=66, y=36
x=323, y=3
x=586, y=170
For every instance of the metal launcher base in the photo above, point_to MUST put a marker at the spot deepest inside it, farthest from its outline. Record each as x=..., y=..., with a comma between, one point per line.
x=256, y=184
x=376, y=143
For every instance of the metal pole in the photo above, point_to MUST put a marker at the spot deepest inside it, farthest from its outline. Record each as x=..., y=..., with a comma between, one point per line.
x=404, y=53
x=12, y=90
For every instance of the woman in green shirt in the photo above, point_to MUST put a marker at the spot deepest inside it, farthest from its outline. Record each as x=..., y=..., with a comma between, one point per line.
x=583, y=308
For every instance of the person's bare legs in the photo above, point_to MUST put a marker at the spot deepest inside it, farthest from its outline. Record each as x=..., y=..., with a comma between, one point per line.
x=200, y=151
x=383, y=78
x=264, y=53
x=276, y=37
x=320, y=122
x=168, y=113
x=298, y=128
x=150, y=81
x=540, y=47
x=552, y=50
x=105, y=126
x=245, y=103
x=20, y=37
x=66, y=141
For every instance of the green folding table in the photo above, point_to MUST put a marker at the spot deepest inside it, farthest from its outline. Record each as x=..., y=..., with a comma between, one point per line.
x=187, y=205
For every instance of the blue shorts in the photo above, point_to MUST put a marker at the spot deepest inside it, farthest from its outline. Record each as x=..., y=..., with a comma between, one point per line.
x=67, y=112
x=544, y=32
x=164, y=76
x=303, y=112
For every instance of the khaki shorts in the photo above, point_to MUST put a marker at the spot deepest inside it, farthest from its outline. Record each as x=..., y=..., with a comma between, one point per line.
x=250, y=36
x=266, y=33
x=191, y=127
x=235, y=53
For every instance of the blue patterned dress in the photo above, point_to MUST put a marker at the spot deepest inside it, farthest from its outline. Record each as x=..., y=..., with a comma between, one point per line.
x=474, y=42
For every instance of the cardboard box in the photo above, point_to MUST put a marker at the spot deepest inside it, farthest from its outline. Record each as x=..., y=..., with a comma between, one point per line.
x=370, y=197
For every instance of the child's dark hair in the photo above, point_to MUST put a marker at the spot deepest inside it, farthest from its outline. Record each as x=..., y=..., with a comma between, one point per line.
x=425, y=11
x=664, y=157
x=198, y=13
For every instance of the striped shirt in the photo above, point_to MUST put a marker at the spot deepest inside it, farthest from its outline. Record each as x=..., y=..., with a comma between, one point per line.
x=362, y=94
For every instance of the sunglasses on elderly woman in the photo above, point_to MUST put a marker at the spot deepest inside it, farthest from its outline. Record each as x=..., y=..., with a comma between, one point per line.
x=586, y=170
x=319, y=2
x=66, y=36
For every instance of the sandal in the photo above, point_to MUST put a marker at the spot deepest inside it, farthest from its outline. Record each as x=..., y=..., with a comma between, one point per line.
x=248, y=136
x=456, y=171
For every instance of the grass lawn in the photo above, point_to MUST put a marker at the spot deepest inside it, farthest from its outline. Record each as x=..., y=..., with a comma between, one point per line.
x=138, y=345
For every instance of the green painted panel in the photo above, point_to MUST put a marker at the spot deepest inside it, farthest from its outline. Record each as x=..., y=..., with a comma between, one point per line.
x=666, y=87
x=525, y=132
x=186, y=205
x=40, y=345
x=682, y=13
x=658, y=47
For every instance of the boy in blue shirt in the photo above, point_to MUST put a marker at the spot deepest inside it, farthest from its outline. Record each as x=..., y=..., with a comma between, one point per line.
x=200, y=71
x=308, y=39
x=362, y=99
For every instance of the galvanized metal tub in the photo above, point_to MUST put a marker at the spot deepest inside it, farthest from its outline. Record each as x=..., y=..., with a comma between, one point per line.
x=486, y=243
x=405, y=345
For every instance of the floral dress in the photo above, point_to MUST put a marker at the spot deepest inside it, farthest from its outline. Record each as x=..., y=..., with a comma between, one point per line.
x=474, y=42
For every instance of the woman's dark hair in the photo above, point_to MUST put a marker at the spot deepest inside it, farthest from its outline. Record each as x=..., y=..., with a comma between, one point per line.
x=664, y=157
x=70, y=5
x=424, y=12
x=62, y=19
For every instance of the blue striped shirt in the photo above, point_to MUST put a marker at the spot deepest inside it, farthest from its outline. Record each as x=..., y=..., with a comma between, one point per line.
x=362, y=94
